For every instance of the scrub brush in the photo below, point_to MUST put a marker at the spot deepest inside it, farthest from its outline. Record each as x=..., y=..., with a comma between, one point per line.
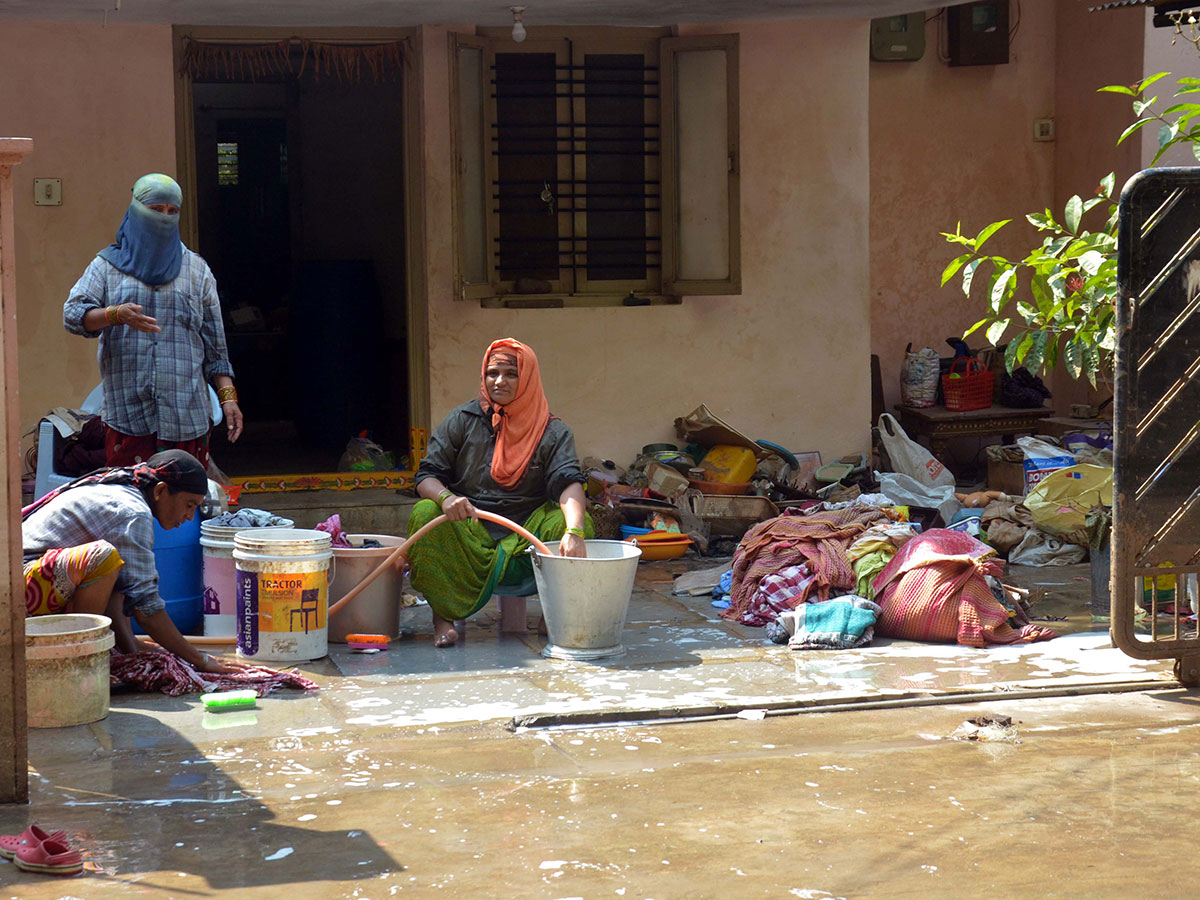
x=228, y=700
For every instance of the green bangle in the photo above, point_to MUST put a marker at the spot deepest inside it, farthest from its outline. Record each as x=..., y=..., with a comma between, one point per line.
x=441, y=498
x=578, y=532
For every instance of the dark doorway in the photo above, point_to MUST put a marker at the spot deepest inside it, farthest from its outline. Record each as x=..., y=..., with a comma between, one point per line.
x=300, y=209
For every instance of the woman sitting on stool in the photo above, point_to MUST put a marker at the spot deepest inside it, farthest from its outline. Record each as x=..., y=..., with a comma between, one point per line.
x=501, y=452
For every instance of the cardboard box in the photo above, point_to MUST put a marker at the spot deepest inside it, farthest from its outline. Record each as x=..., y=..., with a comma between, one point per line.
x=1004, y=475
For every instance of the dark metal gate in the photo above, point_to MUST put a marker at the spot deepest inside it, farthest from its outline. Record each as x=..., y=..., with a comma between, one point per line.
x=1156, y=510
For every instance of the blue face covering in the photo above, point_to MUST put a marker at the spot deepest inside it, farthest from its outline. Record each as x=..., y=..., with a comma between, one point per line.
x=147, y=245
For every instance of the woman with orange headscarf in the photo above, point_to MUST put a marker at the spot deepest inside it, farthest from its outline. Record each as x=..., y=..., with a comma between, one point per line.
x=502, y=452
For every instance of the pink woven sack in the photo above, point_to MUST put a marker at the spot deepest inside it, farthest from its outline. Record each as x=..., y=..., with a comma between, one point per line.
x=934, y=590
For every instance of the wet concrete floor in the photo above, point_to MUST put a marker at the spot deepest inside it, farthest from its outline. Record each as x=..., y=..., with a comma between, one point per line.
x=677, y=770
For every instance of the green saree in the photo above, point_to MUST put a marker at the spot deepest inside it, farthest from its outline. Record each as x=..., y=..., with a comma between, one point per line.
x=458, y=566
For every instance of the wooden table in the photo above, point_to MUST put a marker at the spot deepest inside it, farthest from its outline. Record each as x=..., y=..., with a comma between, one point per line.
x=939, y=424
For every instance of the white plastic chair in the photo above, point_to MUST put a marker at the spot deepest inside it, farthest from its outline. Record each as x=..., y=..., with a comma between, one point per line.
x=46, y=478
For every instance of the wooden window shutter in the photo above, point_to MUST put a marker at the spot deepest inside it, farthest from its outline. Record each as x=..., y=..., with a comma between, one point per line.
x=473, y=232
x=700, y=170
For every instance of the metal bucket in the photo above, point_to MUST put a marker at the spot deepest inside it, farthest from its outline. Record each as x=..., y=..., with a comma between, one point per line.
x=585, y=600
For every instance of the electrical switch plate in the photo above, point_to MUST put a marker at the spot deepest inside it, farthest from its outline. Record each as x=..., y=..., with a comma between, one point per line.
x=47, y=192
x=1043, y=129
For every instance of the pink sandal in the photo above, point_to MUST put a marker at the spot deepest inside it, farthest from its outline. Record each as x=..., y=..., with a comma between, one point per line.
x=50, y=857
x=11, y=843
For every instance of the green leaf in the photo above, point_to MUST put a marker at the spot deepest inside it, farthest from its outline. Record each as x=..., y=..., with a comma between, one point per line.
x=1091, y=363
x=1106, y=184
x=1010, y=354
x=1037, y=352
x=1139, y=106
x=1117, y=89
x=1041, y=296
x=1196, y=149
x=954, y=266
x=1130, y=130
x=1146, y=82
x=1051, y=358
x=1072, y=213
x=1001, y=289
x=989, y=231
x=996, y=331
x=1073, y=358
x=1091, y=261
x=970, y=331
x=1166, y=134
x=969, y=275
x=1088, y=204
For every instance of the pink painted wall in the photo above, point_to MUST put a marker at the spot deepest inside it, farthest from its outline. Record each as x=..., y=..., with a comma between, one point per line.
x=99, y=104
x=951, y=144
x=955, y=144
x=788, y=359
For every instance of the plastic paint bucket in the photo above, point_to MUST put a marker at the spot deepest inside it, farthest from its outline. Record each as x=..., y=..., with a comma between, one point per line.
x=282, y=593
x=220, y=577
x=585, y=600
x=66, y=659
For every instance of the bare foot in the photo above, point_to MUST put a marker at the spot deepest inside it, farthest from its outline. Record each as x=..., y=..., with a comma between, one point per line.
x=444, y=632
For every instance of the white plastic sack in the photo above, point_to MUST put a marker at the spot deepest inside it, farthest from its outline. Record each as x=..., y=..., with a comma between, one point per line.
x=1040, y=549
x=919, y=375
x=1041, y=459
x=905, y=491
x=910, y=458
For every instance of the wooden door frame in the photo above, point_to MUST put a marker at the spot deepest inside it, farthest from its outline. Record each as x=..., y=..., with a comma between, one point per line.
x=14, y=728
x=412, y=140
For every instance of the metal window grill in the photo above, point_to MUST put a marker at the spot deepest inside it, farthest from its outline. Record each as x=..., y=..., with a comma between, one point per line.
x=578, y=189
x=1156, y=481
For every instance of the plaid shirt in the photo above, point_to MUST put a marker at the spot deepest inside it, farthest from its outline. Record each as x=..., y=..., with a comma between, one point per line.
x=115, y=513
x=156, y=383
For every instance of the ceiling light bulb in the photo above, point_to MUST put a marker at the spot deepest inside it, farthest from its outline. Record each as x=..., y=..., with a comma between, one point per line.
x=518, y=31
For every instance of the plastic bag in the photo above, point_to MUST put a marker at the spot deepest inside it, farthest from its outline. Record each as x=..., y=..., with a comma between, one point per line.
x=919, y=374
x=364, y=455
x=910, y=458
x=1041, y=549
x=1061, y=502
x=1041, y=459
x=905, y=491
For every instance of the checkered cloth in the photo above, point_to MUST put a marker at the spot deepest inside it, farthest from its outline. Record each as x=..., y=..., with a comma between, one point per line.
x=156, y=383
x=818, y=540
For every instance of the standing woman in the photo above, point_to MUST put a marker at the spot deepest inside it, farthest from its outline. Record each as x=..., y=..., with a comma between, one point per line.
x=153, y=304
x=504, y=453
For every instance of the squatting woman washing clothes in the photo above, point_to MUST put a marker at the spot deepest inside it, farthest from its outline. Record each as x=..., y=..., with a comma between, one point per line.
x=502, y=452
x=89, y=548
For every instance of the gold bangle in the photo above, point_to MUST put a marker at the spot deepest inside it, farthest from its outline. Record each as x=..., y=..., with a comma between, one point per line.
x=111, y=313
x=227, y=394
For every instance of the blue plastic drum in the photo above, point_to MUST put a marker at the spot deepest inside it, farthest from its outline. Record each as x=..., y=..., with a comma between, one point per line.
x=180, y=562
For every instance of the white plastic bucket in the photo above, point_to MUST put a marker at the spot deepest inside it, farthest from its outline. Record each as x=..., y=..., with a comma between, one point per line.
x=585, y=600
x=376, y=609
x=66, y=669
x=220, y=577
x=282, y=593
